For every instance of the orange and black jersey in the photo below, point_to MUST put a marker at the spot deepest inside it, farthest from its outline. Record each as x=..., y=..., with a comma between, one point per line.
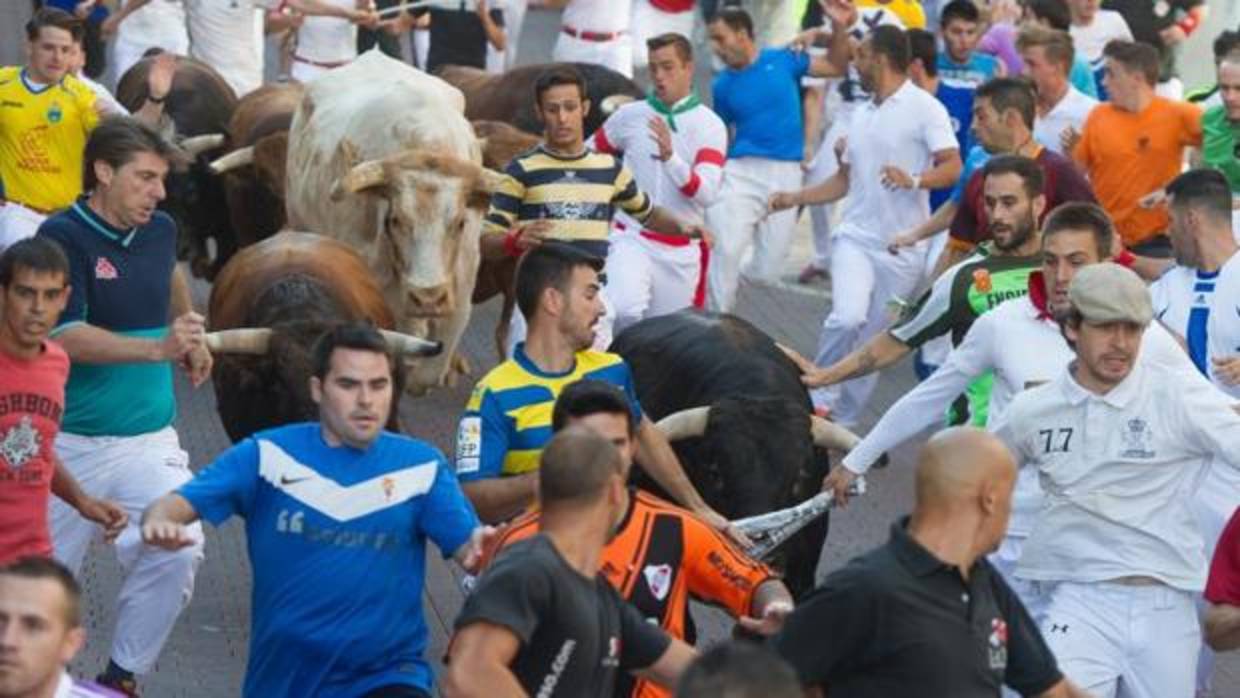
x=662, y=556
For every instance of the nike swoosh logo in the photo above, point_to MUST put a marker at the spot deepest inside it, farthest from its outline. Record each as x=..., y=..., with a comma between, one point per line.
x=286, y=480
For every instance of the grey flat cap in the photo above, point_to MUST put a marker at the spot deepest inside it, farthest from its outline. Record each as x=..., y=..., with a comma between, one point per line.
x=1107, y=292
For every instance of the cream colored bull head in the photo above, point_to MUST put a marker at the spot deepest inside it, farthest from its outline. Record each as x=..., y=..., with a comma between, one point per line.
x=433, y=201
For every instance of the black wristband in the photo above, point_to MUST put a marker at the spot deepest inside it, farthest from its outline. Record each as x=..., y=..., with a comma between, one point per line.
x=152, y=100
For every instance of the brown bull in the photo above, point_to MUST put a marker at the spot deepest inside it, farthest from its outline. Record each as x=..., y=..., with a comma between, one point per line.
x=268, y=305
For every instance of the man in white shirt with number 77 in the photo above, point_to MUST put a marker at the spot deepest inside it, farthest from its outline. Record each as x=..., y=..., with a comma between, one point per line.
x=1117, y=444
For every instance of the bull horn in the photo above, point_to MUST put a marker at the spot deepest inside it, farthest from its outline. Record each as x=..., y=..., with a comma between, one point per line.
x=237, y=158
x=831, y=436
x=361, y=176
x=684, y=424
x=245, y=340
x=611, y=103
x=408, y=345
x=197, y=145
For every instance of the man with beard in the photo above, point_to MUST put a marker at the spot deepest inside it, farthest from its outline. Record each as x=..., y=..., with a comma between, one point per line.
x=998, y=271
x=900, y=146
x=507, y=420
x=1020, y=342
x=1220, y=125
x=1116, y=442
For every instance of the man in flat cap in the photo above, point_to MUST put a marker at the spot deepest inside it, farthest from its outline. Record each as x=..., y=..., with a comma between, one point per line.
x=1118, y=445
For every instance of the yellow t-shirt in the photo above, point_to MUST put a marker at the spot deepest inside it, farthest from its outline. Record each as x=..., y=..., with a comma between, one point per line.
x=910, y=12
x=42, y=137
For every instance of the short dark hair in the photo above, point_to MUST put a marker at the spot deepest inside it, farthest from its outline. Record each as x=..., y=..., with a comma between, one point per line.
x=1011, y=93
x=923, y=46
x=1135, y=56
x=892, y=42
x=1032, y=179
x=39, y=254
x=1053, y=12
x=963, y=10
x=354, y=335
x=684, y=49
x=117, y=140
x=736, y=19
x=1055, y=44
x=35, y=567
x=1079, y=215
x=57, y=18
x=1226, y=43
x=1204, y=189
x=739, y=669
x=550, y=265
x=574, y=467
x=562, y=74
x=586, y=397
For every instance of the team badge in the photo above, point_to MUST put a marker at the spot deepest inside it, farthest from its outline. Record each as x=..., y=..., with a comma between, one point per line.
x=104, y=269
x=659, y=579
x=1161, y=8
x=996, y=643
x=982, y=280
x=1137, y=437
x=389, y=488
x=20, y=443
x=55, y=113
x=469, y=445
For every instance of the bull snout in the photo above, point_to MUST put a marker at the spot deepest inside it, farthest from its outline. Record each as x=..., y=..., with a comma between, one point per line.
x=430, y=300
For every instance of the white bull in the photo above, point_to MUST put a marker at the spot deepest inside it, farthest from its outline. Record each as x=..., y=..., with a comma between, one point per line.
x=380, y=156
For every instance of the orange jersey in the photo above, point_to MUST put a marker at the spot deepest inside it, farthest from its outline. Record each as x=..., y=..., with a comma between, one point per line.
x=662, y=556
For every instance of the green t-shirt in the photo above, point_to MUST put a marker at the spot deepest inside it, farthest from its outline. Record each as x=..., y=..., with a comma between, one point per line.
x=957, y=298
x=1218, y=144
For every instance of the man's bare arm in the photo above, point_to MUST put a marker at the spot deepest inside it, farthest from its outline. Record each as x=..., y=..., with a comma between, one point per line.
x=498, y=499
x=881, y=351
x=478, y=663
x=1222, y=627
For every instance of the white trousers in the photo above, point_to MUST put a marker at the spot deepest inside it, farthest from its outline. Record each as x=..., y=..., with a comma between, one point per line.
x=739, y=221
x=1214, y=502
x=514, y=20
x=824, y=165
x=649, y=22
x=1118, y=641
x=602, y=329
x=616, y=54
x=1032, y=594
x=18, y=223
x=132, y=471
x=864, y=280
x=646, y=278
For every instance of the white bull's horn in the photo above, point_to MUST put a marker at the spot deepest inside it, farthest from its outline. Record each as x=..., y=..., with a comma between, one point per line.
x=244, y=340
x=831, y=435
x=237, y=158
x=613, y=102
x=362, y=176
x=684, y=424
x=197, y=145
x=409, y=345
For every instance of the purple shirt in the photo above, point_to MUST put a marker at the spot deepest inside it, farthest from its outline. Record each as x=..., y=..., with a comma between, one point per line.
x=1000, y=42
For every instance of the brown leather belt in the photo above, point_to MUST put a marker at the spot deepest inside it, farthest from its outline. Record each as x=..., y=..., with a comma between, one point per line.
x=1137, y=580
x=599, y=37
x=319, y=64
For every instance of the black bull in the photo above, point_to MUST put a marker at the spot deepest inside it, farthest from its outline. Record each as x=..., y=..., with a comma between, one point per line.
x=756, y=454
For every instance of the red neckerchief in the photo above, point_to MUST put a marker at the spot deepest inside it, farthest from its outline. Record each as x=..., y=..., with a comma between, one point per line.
x=1037, y=285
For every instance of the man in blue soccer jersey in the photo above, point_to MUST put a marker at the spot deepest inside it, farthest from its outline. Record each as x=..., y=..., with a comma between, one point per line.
x=337, y=518
x=961, y=67
x=507, y=420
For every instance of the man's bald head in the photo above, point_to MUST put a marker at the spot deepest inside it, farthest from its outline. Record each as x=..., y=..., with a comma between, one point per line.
x=576, y=467
x=958, y=463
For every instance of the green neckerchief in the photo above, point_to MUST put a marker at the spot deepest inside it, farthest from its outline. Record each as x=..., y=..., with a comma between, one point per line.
x=681, y=107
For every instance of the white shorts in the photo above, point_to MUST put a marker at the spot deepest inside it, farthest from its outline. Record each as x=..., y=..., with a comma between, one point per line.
x=1119, y=641
x=616, y=54
x=647, y=278
x=18, y=223
x=649, y=21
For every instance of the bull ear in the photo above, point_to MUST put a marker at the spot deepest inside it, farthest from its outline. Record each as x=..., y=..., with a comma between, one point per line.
x=367, y=175
x=487, y=182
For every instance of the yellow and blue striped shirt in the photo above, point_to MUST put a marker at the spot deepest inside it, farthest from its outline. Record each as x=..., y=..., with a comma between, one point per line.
x=578, y=195
x=508, y=417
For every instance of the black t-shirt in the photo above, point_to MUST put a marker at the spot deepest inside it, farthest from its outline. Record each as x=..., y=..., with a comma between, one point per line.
x=458, y=38
x=899, y=622
x=575, y=633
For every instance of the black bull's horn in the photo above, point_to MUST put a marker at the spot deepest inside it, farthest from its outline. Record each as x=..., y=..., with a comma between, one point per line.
x=255, y=340
x=692, y=422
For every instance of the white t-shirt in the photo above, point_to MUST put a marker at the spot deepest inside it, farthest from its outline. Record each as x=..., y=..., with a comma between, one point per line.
x=158, y=23
x=601, y=16
x=1071, y=111
x=1089, y=41
x=1114, y=470
x=689, y=181
x=228, y=36
x=328, y=39
x=1204, y=309
x=905, y=130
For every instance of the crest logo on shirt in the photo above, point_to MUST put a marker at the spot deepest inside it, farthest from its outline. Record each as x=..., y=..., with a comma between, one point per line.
x=55, y=113
x=659, y=579
x=982, y=280
x=389, y=487
x=20, y=444
x=1137, y=436
x=996, y=643
x=104, y=269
